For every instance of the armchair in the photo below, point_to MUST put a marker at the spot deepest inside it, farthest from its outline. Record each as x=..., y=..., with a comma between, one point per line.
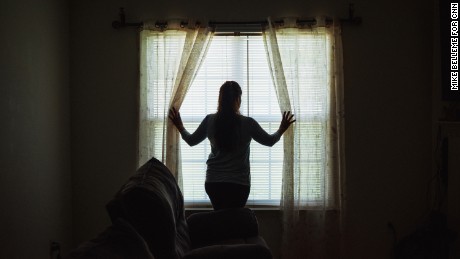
x=148, y=221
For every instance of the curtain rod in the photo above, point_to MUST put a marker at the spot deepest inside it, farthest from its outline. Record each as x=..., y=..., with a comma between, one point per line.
x=351, y=19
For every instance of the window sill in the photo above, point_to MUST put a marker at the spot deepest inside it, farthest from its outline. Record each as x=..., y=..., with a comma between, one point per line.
x=206, y=205
x=261, y=208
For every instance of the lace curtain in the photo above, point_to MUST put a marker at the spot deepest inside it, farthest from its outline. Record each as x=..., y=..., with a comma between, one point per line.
x=181, y=51
x=310, y=213
x=306, y=68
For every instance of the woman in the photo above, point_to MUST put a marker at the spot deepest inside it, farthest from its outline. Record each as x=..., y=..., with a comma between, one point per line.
x=230, y=133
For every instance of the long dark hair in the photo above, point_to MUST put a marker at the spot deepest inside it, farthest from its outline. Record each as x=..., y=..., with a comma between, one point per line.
x=227, y=117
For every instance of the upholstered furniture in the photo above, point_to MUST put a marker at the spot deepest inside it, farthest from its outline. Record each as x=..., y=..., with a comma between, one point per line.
x=148, y=222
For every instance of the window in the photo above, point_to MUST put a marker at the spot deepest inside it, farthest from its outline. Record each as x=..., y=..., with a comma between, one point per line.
x=243, y=59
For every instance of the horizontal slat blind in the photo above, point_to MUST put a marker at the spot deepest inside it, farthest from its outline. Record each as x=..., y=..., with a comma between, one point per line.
x=243, y=59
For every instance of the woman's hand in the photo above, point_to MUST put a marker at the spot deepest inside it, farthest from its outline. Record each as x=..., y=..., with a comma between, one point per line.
x=174, y=116
x=286, y=121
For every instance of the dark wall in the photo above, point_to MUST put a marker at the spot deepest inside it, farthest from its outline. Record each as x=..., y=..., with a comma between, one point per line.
x=35, y=128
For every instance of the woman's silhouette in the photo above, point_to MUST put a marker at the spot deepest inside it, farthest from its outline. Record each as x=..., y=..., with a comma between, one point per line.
x=228, y=172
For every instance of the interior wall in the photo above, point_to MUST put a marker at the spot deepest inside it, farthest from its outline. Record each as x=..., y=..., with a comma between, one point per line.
x=35, y=128
x=388, y=63
x=388, y=80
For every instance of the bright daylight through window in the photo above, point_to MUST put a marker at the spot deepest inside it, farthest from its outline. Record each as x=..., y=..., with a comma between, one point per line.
x=244, y=59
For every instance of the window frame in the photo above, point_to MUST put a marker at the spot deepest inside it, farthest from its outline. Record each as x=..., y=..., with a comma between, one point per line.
x=251, y=203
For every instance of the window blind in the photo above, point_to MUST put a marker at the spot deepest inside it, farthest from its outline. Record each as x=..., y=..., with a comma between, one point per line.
x=243, y=59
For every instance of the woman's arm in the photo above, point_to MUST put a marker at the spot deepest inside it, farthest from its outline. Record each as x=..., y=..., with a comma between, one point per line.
x=262, y=137
x=191, y=139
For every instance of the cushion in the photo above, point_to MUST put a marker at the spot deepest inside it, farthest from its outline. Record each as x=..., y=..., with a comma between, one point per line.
x=244, y=251
x=207, y=228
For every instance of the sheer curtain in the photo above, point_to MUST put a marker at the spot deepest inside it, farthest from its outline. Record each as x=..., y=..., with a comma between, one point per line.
x=306, y=67
x=181, y=52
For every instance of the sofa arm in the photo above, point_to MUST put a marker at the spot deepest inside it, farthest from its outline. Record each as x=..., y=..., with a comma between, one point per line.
x=210, y=227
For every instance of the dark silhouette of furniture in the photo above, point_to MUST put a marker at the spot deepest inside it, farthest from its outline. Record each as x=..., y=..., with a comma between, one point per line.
x=148, y=221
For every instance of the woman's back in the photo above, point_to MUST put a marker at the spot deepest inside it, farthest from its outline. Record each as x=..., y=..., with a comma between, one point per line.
x=230, y=165
x=230, y=133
